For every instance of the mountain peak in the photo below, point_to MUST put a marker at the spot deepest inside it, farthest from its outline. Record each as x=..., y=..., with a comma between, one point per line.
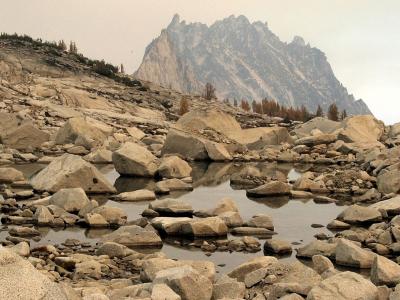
x=175, y=20
x=299, y=41
x=245, y=60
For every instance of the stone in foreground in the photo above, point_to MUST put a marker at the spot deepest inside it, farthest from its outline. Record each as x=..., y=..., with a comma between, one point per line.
x=242, y=270
x=385, y=272
x=20, y=280
x=350, y=255
x=186, y=282
x=345, y=286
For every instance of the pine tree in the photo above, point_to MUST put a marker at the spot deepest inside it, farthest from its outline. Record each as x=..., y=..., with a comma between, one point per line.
x=343, y=114
x=245, y=105
x=209, y=91
x=72, y=48
x=235, y=102
x=333, y=113
x=319, y=112
x=62, y=45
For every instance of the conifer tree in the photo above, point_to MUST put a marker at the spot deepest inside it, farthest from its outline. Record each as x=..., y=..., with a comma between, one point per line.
x=319, y=112
x=333, y=113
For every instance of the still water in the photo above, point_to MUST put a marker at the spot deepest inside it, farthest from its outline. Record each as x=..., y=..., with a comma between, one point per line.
x=292, y=218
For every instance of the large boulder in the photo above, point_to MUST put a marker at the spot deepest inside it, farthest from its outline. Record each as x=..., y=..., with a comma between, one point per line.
x=135, y=160
x=345, y=286
x=20, y=280
x=360, y=214
x=174, y=167
x=350, y=255
x=186, y=282
x=189, y=138
x=71, y=171
x=211, y=119
x=362, y=128
x=25, y=137
x=390, y=206
x=80, y=132
x=134, y=236
x=324, y=125
x=388, y=180
x=186, y=145
x=71, y=200
x=385, y=272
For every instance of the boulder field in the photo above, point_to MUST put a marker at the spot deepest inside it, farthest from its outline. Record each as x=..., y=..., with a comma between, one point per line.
x=67, y=228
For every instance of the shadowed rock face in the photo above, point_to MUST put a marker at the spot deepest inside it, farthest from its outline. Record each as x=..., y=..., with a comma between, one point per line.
x=244, y=60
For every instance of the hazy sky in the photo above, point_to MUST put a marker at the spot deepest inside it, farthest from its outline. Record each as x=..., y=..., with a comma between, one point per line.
x=361, y=38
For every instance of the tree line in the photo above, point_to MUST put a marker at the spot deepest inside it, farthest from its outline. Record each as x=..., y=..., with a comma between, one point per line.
x=271, y=108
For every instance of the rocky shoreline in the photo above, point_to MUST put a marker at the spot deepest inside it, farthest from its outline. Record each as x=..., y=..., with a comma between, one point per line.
x=74, y=123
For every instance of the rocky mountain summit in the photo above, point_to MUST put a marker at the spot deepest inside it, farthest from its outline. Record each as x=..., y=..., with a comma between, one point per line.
x=62, y=124
x=244, y=60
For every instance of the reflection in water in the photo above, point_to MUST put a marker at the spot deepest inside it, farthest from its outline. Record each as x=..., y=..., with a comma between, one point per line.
x=292, y=218
x=272, y=202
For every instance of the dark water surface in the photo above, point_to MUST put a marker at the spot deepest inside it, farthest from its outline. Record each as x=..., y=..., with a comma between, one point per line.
x=292, y=218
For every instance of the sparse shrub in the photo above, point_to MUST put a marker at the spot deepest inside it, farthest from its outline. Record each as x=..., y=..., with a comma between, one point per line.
x=183, y=106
